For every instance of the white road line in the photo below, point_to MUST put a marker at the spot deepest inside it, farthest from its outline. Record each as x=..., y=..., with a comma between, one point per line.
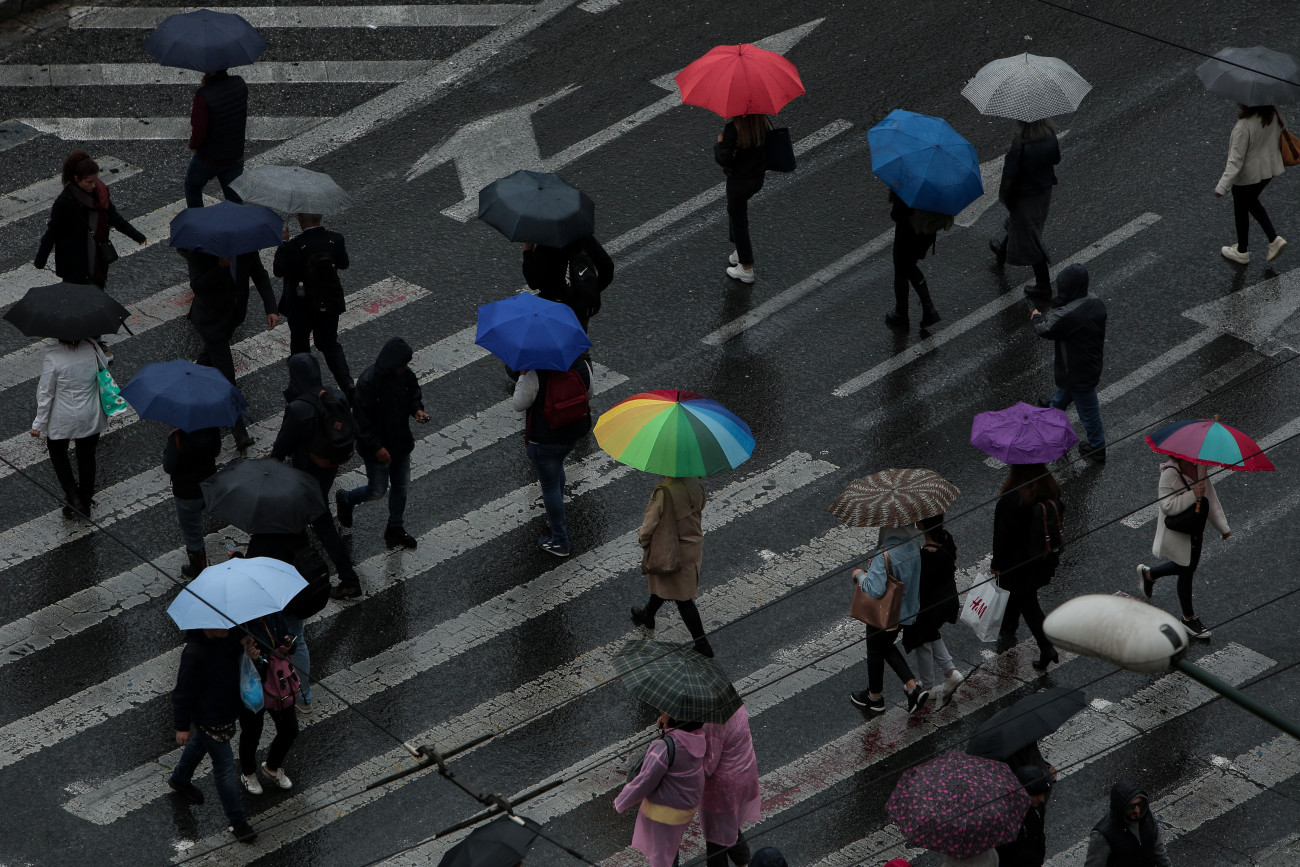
x=1158, y=365
x=34, y=198
x=595, y=7
x=987, y=311
x=159, y=128
x=299, y=72
x=408, y=15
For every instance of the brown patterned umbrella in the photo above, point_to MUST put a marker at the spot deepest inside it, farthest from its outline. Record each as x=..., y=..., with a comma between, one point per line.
x=894, y=498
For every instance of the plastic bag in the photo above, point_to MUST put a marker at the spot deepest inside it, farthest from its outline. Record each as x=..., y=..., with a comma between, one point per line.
x=984, y=606
x=250, y=684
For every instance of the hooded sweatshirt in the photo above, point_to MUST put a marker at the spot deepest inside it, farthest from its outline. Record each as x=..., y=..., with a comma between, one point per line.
x=1077, y=322
x=298, y=425
x=384, y=401
x=1118, y=842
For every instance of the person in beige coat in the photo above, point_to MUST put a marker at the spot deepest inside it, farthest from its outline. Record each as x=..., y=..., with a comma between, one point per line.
x=1182, y=484
x=1254, y=159
x=672, y=539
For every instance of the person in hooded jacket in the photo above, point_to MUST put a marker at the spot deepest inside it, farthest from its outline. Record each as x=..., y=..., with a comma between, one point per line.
x=1029, y=849
x=731, y=794
x=79, y=222
x=550, y=272
x=1026, y=190
x=189, y=457
x=387, y=394
x=1129, y=836
x=1077, y=324
x=678, y=505
x=667, y=796
x=218, y=125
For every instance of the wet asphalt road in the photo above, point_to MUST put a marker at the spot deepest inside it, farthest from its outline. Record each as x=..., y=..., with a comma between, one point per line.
x=478, y=630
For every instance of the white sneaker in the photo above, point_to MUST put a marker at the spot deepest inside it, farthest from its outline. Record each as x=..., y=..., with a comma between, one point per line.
x=280, y=777
x=734, y=258
x=735, y=272
x=251, y=785
x=1275, y=248
x=952, y=681
x=1233, y=254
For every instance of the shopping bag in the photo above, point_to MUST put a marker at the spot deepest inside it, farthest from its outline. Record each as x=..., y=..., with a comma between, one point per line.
x=250, y=684
x=984, y=606
x=110, y=395
x=779, y=150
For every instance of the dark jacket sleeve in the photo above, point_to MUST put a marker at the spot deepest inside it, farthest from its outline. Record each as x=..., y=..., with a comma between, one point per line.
x=171, y=455
x=184, y=694
x=261, y=280
x=1056, y=324
x=284, y=259
x=604, y=264
x=340, y=252
x=198, y=122
x=1006, y=535
x=117, y=221
x=60, y=214
x=417, y=396
x=724, y=152
x=367, y=416
x=1010, y=169
x=295, y=430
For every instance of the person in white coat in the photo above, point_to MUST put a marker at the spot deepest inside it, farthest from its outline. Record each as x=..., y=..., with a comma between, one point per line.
x=68, y=411
x=1182, y=486
x=1254, y=159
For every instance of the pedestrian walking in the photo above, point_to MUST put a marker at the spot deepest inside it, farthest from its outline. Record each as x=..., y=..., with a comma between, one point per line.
x=1077, y=325
x=218, y=124
x=915, y=233
x=1129, y=835
x=276, y=633
x=189, y=458
x=1254, y=159
x=1026, y=550
x=1182, y=487
x=575, y=274
x=666, y=793
x=294, y=549
x=80, y=218
x=741, y=151
x=557, y=413
x=1028, y=175
x=1029, y=849
x=205, y=706
x=385, y=397
x=939, y=604
x=68, y=410
x=672, y=541
x=731, y=795
x=312, y=299
x=899, y=555
x=318, y=435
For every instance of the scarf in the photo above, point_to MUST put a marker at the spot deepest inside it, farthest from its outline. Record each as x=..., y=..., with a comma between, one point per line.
x=96, y=207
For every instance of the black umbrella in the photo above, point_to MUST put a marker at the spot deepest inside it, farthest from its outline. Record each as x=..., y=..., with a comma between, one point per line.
x=67, y=311
x=263, y=496
x=537, y=207
x=1025, y=722
x=500, y=843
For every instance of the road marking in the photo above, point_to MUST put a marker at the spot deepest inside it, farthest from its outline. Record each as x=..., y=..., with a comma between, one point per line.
x=408, y=15
x=1158, y=365
x=13, y=133
x=299, y=72
x=595, y=7
x=987, y=311
x=159, y=128
x=34, y=198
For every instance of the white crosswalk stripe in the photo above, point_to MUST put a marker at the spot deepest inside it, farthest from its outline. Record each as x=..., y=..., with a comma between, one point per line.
x=121, y=74
x=159, y=128
x=406, y=15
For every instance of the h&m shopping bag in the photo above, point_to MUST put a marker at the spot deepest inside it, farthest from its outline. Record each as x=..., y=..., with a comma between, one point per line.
x=984, y=606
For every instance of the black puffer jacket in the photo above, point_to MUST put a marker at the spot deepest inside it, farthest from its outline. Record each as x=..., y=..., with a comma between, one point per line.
x=1077, y=322
x=207, y=684
x=189, y=458
x=299, y=422
x=384, y=401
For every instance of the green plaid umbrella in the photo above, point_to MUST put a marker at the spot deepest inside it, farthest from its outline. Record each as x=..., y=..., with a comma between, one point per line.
x=675, y=679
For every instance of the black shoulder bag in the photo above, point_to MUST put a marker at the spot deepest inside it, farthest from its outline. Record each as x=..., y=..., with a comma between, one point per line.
x=1192, y=519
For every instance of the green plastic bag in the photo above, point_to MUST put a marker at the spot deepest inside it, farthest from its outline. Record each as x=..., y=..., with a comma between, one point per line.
x=110, y=394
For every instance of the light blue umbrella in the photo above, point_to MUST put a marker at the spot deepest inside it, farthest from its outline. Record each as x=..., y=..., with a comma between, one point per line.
x=529, y=333
x=925, y=162
x=239, y=590
x=226, y=229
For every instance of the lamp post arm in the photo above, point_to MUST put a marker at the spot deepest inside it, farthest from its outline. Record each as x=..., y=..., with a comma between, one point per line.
x=1239, y=698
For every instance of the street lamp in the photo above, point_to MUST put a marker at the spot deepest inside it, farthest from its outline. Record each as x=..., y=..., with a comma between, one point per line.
x=1142, y=638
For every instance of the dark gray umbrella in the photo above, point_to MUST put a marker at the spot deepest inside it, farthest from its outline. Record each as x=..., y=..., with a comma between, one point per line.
x=263, y=496
x=1258, y=83
x=67, y=311
x=537, y=207
x=501, y=843
x=1025, y=722
x=291, y=189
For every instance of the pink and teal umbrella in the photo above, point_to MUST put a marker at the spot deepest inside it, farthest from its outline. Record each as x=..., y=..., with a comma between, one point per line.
x=674, y=433
x=1209, y=441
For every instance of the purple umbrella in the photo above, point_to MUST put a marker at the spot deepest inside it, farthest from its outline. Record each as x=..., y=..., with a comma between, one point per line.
x=1023, y=434
x=958, y=804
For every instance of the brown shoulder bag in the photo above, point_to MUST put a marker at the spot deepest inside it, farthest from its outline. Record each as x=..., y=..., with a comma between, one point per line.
x=882, y=613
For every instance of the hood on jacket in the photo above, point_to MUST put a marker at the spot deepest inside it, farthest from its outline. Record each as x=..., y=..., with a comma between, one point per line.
x=304, y=376
x=395, y=353
x=1071, y=284
x=1120, y=795
x=695, y=742
x=205, y=438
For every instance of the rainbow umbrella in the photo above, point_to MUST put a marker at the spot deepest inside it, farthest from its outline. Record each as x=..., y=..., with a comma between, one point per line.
x=1209, y=441
x=674, y=433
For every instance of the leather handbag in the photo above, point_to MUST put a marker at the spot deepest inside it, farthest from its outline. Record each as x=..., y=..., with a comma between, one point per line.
x=780, y=150
x=882, y=613
x=1289, y=144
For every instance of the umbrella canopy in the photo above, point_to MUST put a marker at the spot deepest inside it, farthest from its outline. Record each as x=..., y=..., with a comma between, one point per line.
x=538, y=207
x=184, y=395
x=1209, y=441
x=732, y=80
x=205, y=41
x=1026, y=87
x=529, y=333
x=674, y=433
x=263, y=496
x=1023, y=434
x=1025, y=722
x=925, y=162
x=226, y=229
x=241, y=589
x=67, y=311
x=291, y=189
x=500, y=843
x=958, y=804
x=1256, y=84
x=894, y=498
x=675, y=679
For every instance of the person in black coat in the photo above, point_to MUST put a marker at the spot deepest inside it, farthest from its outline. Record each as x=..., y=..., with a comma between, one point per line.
x=915, y=234
x=79, y=222
x=939, y=605
x=1027, y=514
x=741, y=152
x=1029, y=849
x=310, y=309
x=552, y=272
x=189, y=457
x=386, y=396
x=1077, y=324
x=218, y=124
x=1026, y=190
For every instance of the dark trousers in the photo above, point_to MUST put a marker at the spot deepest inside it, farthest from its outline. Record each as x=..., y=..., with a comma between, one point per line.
x=1042, y=273
x=85, y=466
x=328, y=534
x=1025, y=603
x=686, y=608
x=881, y=649
x=200, y=172
x=738, y=852
x=325, y=328
x=217, y=354
x=250, y=732
x=908, y=272
x=1245, y=204
x=738, y=195
x=1184, y=573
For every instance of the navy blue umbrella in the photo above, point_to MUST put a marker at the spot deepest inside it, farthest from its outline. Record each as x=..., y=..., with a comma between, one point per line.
x=537, y=207
x=184, y=395
x=529, y=333
x=205, y=41
x=226, y=229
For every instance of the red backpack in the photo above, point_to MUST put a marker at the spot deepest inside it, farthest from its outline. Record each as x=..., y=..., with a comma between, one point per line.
x=567, y=399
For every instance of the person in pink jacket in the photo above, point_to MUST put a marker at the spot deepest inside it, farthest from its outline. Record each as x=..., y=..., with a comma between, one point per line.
x=731, y=796
x=668, y=797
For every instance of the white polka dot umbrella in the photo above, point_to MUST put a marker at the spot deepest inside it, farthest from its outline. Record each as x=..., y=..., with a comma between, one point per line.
x=1026, y=87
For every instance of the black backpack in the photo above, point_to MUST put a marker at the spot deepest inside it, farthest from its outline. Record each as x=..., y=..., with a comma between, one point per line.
x=313, y=598
x=321, y=287
x=584, y=285
x=334, y=436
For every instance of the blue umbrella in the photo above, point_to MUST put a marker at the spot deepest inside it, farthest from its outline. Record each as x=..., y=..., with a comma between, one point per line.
x=925, y=162
x=226, y=229
x=205, y=41
x=537, y=207
x=184, y=395
x=528, y=333
x=241, y=589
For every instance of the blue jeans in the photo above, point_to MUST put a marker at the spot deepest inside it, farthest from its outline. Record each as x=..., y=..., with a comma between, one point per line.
x=378, y=477
x=223, y=770
x=1089, y=412
x=189, y=514
x=548, y=460
x=198, y=175
x=299, y=656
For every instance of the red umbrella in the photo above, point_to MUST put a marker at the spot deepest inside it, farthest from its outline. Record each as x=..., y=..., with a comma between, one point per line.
x=732, y=80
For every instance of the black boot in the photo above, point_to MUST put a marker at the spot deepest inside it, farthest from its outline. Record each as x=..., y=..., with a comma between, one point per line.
x=695, y=626
x=75, y=507
x=929, y=315
x=895, y=319
x=645, y=617
x=198, y=562
x=999, y=252
x=242, y=438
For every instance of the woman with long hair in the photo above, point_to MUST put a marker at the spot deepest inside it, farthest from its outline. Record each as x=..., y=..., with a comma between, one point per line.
x=79, y=222
x=1026, y=191
x=742, y=153
x=1026, y=544
x=68, y=411
x=1254, y=159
